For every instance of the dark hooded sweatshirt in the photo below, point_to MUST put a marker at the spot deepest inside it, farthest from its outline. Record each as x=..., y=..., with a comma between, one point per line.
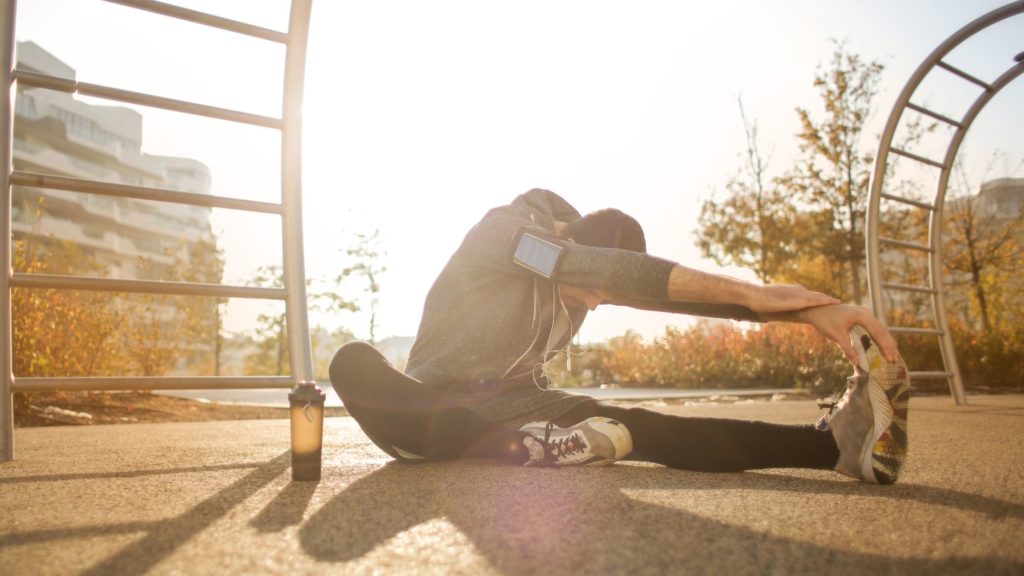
x=489, y=324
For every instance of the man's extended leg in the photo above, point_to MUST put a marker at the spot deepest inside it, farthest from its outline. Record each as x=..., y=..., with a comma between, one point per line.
x=410, y=420
x=864, y=435
x=715, y=444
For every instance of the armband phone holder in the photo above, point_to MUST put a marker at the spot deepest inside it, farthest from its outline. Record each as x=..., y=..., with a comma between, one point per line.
x=536, y=254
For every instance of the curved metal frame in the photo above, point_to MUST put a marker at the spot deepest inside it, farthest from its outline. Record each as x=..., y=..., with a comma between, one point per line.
x=934, y=247
x=290, y=209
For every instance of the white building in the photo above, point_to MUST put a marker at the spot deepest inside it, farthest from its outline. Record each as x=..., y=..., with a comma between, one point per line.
x=1002, y=198
x=57, y=134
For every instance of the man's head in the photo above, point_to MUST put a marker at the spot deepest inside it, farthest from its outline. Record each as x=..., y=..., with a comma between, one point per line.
x=608, y=228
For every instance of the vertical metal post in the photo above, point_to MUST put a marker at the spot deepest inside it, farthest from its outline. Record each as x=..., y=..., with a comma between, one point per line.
x=297, y=318
x=7, y=62
x=946, y=346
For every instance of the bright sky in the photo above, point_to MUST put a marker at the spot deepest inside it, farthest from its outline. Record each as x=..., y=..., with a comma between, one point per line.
x=419, y=116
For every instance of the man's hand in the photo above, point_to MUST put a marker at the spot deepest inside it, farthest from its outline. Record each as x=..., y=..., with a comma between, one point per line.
x=786, y=298
x=835, y=322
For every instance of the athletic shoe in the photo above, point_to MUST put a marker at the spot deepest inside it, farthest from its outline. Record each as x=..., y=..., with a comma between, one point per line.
x=594, y=441
x=869, y=422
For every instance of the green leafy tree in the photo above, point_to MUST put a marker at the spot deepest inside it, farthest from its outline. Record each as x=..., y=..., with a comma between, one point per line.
x=833, y=176
x=366, y=263
x=752, y=227
x=271, y=356
x=61, y=332
x=202, y=317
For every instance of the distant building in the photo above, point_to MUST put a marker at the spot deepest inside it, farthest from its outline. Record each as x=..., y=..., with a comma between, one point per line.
x=1003, y=198
x=994, y=205
x=57, y=134
x=990, y=212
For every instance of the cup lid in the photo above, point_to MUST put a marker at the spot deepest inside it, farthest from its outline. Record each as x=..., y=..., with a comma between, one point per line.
x=306, y=392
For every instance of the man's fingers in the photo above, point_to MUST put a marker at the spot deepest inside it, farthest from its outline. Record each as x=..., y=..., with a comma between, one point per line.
x=820, y=299
x=884, y=339
x=850, y=354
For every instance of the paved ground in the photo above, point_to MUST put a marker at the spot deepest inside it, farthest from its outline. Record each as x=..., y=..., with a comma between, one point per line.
x=216, y=498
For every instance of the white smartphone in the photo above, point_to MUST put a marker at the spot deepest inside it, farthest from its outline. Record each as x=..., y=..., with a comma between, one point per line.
x=536, y=254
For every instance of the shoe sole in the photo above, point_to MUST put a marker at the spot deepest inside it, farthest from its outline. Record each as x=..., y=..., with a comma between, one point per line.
x=885, y=446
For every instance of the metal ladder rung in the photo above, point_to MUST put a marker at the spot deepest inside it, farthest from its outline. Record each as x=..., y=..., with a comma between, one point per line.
x=902, y=244
x=19, y=178
x=909, y=201
x=62, y=282
x=909, y=288
x=913, y=156
x=930, y=375
x=934, y=114
x=41, y=383
x=205, y=19
x=908, y=330
x=954, y=70
x=71, y=86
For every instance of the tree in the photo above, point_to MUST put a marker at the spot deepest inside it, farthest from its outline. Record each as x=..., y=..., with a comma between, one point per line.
x=983, y=246
x=325, y=343
x=61, y=332
x=366, y=259
x=752, y=226
x=271, y=355
x=833, y=176
x=202, y=261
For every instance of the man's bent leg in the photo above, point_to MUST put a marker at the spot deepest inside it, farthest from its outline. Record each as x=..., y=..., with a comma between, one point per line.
x=410, y=420
x=715, y=444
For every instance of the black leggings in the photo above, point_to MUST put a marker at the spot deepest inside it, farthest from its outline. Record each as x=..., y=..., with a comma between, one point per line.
x=410, y=420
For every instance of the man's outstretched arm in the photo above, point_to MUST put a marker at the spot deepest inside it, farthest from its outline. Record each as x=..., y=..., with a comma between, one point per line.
x=783, y=303
x=689, y=285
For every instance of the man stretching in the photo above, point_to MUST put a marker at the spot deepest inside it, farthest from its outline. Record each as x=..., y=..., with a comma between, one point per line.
x=514, y=294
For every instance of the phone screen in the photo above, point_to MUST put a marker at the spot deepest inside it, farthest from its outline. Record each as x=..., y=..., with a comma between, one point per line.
x=537, y=254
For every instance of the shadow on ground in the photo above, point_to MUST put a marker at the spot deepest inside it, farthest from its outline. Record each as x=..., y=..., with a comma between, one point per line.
x=582, y=521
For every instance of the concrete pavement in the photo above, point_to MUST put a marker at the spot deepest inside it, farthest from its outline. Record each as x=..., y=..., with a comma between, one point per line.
x=216, y=498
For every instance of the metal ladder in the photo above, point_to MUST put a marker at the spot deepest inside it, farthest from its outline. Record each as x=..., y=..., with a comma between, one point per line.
x=876, y=242
x=289, y=209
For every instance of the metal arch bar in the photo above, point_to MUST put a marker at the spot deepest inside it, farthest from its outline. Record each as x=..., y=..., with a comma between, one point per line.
x=39, y=384
x=205, y=19
x=908, y=288
x=8, y=11
x=912, y=330
x=912, y=156
x=297, y=319
x=907, y=245
x=930, y=375
x=958, y=72
x=882, y=158
x=871, y=231
x=948, y=350
x=26, y=78
x=933, y=114
x=61, y=282
x=35, y=180
x=909, y=201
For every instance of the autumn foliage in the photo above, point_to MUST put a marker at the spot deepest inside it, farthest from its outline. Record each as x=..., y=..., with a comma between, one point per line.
x=724, y=355
x=716, y=355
